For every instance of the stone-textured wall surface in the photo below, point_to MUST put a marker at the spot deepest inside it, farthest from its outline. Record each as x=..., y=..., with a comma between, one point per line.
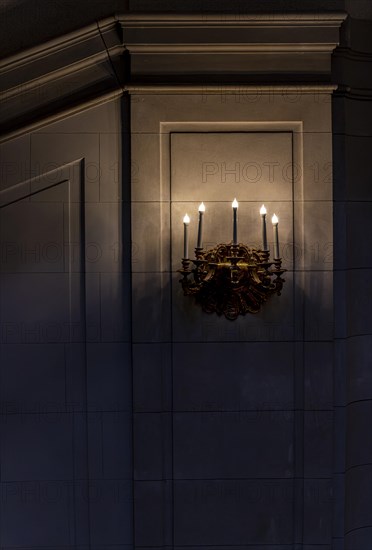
x=352, y=126
x=66, y=462
x=233, y=421
x=253, y=434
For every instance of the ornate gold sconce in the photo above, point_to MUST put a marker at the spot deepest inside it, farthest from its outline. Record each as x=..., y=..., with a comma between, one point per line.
x=232, y=279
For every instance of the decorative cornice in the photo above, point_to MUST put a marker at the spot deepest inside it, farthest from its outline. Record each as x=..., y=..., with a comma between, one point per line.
x=348, y=53
x=353, y=71
x=134, y=49
x=218, y=89
x=62, y=55
x=58, y=45
x=229, y=48
x=234, y=19
x=357, y=94
x=59, y=74
x=240, y=47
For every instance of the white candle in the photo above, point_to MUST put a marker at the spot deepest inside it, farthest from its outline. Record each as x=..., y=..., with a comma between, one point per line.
x=200, y=228
x=275, y=222
x=235, y=205
x=263, y=213
x=186, y=221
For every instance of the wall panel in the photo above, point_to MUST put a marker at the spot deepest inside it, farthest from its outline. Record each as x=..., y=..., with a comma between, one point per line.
x=66, y=463
x=228, y=427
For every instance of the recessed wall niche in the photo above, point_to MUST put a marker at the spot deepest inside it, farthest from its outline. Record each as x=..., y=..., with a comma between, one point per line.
x=215, y=167
x=255, y=167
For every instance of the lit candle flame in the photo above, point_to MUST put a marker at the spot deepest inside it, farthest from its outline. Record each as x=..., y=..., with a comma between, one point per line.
x=186, y=219
x=263, y=210
x=202, y=207
x=235, y=203
x=274, y=219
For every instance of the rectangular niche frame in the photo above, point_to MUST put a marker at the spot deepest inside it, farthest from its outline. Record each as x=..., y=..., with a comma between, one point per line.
x=295, y=128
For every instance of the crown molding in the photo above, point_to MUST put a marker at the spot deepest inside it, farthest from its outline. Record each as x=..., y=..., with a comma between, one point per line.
x=60, y=74
x=170, y=49
x=230, y=89
x=81, y=48
x=151, y=19
x=229, y=48
x=353, y=72
x=293, y=46
x=58, y=45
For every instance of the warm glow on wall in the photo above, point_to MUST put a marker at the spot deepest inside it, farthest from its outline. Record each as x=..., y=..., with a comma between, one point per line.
x=232, y=279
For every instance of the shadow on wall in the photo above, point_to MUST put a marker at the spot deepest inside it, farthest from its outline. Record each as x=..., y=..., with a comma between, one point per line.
x=304, y=311
x=232, y=390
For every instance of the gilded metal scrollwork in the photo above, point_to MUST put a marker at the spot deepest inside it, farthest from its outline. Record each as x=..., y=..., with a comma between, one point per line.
x=231, y=280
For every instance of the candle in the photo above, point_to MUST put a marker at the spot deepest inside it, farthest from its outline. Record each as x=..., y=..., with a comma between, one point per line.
x=200, y=228
x=235, y=205
x=186, y=221
x=263, y=212
x=275, y=222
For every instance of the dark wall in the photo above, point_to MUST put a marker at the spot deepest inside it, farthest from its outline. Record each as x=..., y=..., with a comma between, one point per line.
x=65, y=350
x=352, y=123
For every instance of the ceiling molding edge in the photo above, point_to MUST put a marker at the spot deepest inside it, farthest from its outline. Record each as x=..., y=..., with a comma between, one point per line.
x=165, y=49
